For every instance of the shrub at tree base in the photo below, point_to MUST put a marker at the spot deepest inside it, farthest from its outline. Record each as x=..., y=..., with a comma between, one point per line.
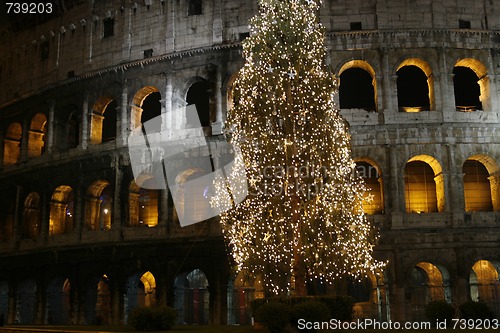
x=275, y=316
x=152, y=319
x=475, y=310
x=310, y=311
x=439, y=310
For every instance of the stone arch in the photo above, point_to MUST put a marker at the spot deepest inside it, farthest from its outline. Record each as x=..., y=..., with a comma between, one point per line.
x=99, y=206
x=26, y=302
x=190, y=196
x=493, y=178
x=138, y=116
x=199, y=95
x=98, y=300
x=73, y=132
x=428, y=282
x=12, y=144
x=191, y=297
x=31, y=216
x=424, y=185
x=57, y=308
x=37, y=135
x=103, y=120
x=4, y=300
x=143, y=204
x=415, y=86
x=242, y=290
x=481, y=72
x=61, y=211
x=359, y=90
x=373, y=202
x=140, y=292
x=484, y=281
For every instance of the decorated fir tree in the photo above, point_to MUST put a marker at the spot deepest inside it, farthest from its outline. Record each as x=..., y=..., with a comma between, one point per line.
x=303, y=217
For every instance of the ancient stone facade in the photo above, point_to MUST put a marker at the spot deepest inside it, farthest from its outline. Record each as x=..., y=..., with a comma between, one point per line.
x=82, y=242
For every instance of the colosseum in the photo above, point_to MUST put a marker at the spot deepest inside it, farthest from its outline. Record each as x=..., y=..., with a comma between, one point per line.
x=82, y=242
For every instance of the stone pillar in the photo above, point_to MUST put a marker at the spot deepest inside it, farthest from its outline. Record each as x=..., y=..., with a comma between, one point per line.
x=218, y=297
x=116, y=302
x=17, y=227
x=40, y=302
x=85, y=121
x=218, y=23
x=395, y=206
x=44, y=216
x=440, y=193
x=168, y=116
x=164, y=213
x=50, y=127
x=495, y=191
x=116, y=223
x=171, y=25
x=218, y=124
x=2, y=144
x=123, y=125
x=24, y=141
x=11, y=308
x=384, y=91
x=445, y=78
x=79, y=210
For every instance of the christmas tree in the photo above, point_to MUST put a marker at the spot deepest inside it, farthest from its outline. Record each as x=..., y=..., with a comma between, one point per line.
x=303, y=218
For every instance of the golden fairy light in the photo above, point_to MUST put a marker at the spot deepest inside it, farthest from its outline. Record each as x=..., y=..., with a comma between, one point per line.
x=303, y=217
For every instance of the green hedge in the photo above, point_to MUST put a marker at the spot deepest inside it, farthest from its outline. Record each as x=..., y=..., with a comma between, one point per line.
x=439, y=310
x=338, y=307
x=273, y=315
x=475, y=310
x=152, y=319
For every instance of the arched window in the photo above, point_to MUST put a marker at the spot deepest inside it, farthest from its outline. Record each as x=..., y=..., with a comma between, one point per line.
x=356, y=90
x=32, y=216
x=73, y=130
x=191, y=298
x=413, y=89
x=373, y=202
x=37, y=135
x=428, y=283
x=140, y=292
x=61, y=211
x=12, y=144
x=198, y=95
x=146, y=105
x=103, y=124
x=143, y=205
x=424, y=189
x=99, y=206
x=484, y=282
x=477, y=190
x=471, y=85
x=466, y=88
x=58, y=301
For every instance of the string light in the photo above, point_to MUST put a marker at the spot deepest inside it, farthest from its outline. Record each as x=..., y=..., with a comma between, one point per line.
x=303, y=218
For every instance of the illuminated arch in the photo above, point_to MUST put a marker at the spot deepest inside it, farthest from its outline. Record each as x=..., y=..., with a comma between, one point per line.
x=481, y=72
x=424, y=185
x=58, y=301
x=484, y=281
x=61, y=211
x=140, y=292
x=492, y=182
x=143, y=203
x=242, y=290
x=31, y=216
x=373, y=202
x=139, y=115
x=12, y=144
x=37, y=135
x=358, y=86
x=409, y=99
x=194, y=207
x=99, y=208
x=103, y=121
x=191, y=297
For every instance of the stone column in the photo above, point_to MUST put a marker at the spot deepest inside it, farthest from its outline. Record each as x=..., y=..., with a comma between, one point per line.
x=495, y=191
x=168, y=116
x=24, y=140
x=50, y=127
x=395, y=206
x=384, y=92
x=123, y=125
x=79, y=210
x=117, y=207
x=218, y=23
x=217, y=125
x=440, y=193
x=44, y=216
x=2, y=144
x=85, y=121
x=170, y=34
x=445, y=83
x=40, y=302
x=116, y=302
x=164, y=213
x=11, y=308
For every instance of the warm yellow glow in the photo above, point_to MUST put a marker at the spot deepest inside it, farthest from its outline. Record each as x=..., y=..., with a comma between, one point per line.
x=304, y=218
